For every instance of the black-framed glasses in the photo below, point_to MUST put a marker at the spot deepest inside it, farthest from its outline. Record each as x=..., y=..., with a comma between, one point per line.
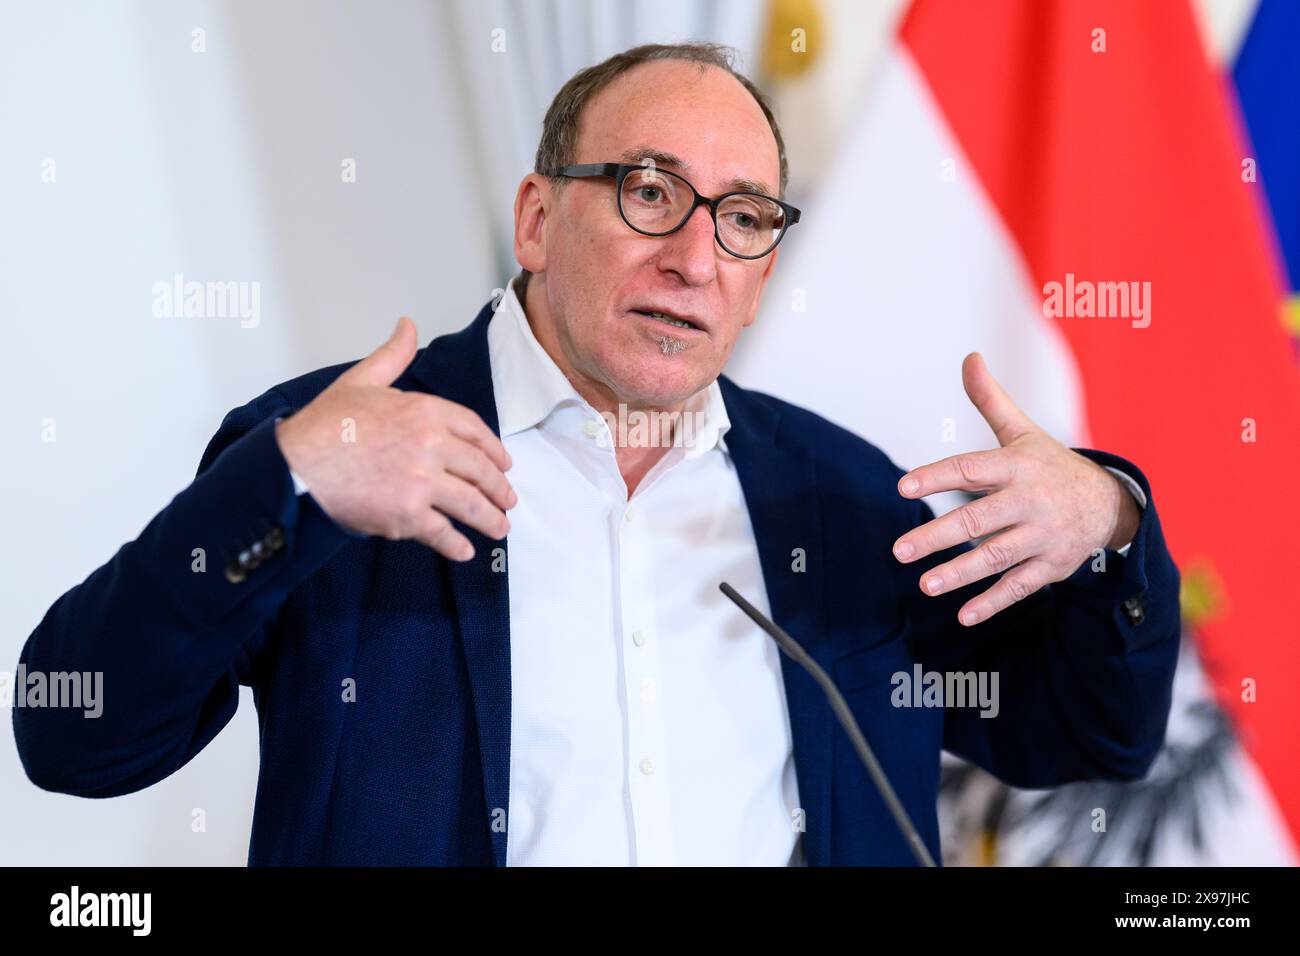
x=655, y=202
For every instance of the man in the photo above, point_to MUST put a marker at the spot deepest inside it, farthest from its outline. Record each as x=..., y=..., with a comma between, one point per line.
x=483, y=627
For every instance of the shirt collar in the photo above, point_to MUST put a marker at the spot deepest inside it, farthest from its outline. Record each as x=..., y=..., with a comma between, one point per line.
x=529, y=386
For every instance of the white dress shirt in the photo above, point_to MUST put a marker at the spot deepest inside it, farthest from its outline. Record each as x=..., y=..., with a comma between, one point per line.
x=648, y=720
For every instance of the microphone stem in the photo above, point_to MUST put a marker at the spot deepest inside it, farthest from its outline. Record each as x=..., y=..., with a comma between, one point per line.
x=841, y=709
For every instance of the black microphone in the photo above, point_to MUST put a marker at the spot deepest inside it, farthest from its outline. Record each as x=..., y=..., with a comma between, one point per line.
x=796, y=653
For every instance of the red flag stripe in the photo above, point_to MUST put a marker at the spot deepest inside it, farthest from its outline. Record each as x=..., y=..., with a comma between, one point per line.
x=1123, y=166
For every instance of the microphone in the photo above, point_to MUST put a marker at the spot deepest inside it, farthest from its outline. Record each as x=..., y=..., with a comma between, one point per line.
x=801, y=657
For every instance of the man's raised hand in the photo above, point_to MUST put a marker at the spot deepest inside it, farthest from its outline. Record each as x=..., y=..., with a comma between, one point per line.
x=1046, y=508
x=399, y=464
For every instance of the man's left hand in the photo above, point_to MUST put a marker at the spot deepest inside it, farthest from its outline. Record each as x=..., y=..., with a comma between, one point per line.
x=1046, y=508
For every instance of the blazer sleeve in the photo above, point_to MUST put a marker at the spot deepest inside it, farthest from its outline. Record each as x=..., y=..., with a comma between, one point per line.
x=176, y=619
x=1085, y=666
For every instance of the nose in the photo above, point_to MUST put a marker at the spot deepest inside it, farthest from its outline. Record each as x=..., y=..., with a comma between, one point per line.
x=691, y=251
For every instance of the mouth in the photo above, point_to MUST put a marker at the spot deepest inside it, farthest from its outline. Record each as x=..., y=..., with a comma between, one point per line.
x=670, y=319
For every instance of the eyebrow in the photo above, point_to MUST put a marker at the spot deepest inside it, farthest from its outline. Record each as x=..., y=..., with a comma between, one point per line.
x=660, y=158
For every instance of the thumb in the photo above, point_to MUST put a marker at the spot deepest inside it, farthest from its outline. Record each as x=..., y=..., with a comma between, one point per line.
x=1004, y=417
x=384, y=364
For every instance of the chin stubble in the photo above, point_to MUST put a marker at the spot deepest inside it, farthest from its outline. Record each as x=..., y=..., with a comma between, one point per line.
x=669, y=345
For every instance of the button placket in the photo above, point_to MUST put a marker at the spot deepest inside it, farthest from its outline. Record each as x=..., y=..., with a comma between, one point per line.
x=647, y=757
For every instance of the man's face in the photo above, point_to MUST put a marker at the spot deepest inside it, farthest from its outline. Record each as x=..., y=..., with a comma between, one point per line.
x=601, y=276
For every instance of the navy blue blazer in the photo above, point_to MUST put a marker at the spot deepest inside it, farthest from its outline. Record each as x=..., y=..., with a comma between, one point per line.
x=415, y=770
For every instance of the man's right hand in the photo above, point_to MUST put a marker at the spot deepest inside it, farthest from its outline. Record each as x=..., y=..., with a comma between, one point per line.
x=399, y=464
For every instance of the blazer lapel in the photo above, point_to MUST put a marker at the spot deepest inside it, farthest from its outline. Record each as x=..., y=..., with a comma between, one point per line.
x=457, y=368
x=780, y=485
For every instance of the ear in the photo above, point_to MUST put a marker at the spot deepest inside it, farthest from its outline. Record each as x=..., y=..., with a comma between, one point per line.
x=532, y=205
x=762, y=283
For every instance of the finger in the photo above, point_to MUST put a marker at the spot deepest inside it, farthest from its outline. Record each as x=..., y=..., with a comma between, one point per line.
x=436, y=532
x=972, y=471
x=1016, y=585
x=976, y=519
x=384, y=364
x=1003, y=415
x=470, y=462
x=993, y=556
x=467, y=424
x=458, y=499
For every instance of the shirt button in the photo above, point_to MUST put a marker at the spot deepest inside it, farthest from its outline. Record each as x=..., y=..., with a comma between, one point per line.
x=638, y=638
x=627, y=515
x=591, y=428
x=647, y=766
